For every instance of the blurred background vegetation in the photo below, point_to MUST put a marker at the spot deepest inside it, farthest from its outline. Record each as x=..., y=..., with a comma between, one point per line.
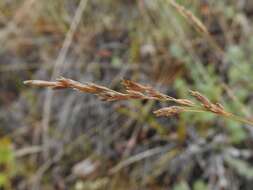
x=75, y=141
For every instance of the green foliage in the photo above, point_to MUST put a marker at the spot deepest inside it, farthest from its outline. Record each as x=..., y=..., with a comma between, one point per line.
x=6, y=162
x=92, y=185
x=200, y=185
x=116, y=62
x=241, y=167
x=240, y=69
x=181, y=186
x=237, y=133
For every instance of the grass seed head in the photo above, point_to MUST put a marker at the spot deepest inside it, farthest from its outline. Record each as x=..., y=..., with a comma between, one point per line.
x=140, y=92
x=169, y=111
x=185, y=102
x=133, y=86
x=205, y=101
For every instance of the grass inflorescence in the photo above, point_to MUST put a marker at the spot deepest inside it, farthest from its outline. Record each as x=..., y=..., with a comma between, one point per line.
x=134, y=90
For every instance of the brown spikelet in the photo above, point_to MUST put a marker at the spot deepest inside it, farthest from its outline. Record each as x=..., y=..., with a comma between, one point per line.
x=130, y=85
x=219, y=105
x=136, y=95
x=205, y=102
x=216, y=108
x=111, y=96
x=219, y=109
x=169, y=111
x=158, y=95
x=148, y=90
x=68, y=83
x=184, y=102
x=41, y=83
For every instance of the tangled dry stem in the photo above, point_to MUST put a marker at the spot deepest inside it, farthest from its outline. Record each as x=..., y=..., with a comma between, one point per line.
x=138, y=91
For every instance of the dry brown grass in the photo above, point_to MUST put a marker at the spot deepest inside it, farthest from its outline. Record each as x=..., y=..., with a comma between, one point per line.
x=197, y=24
x=193, y=20
x=138, y=91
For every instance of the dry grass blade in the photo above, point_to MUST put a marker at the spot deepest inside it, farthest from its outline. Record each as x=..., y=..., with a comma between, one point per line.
x=196, y=23
x=189, y=17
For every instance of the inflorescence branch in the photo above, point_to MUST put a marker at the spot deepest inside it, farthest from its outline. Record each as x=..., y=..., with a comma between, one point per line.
x=138, y=91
